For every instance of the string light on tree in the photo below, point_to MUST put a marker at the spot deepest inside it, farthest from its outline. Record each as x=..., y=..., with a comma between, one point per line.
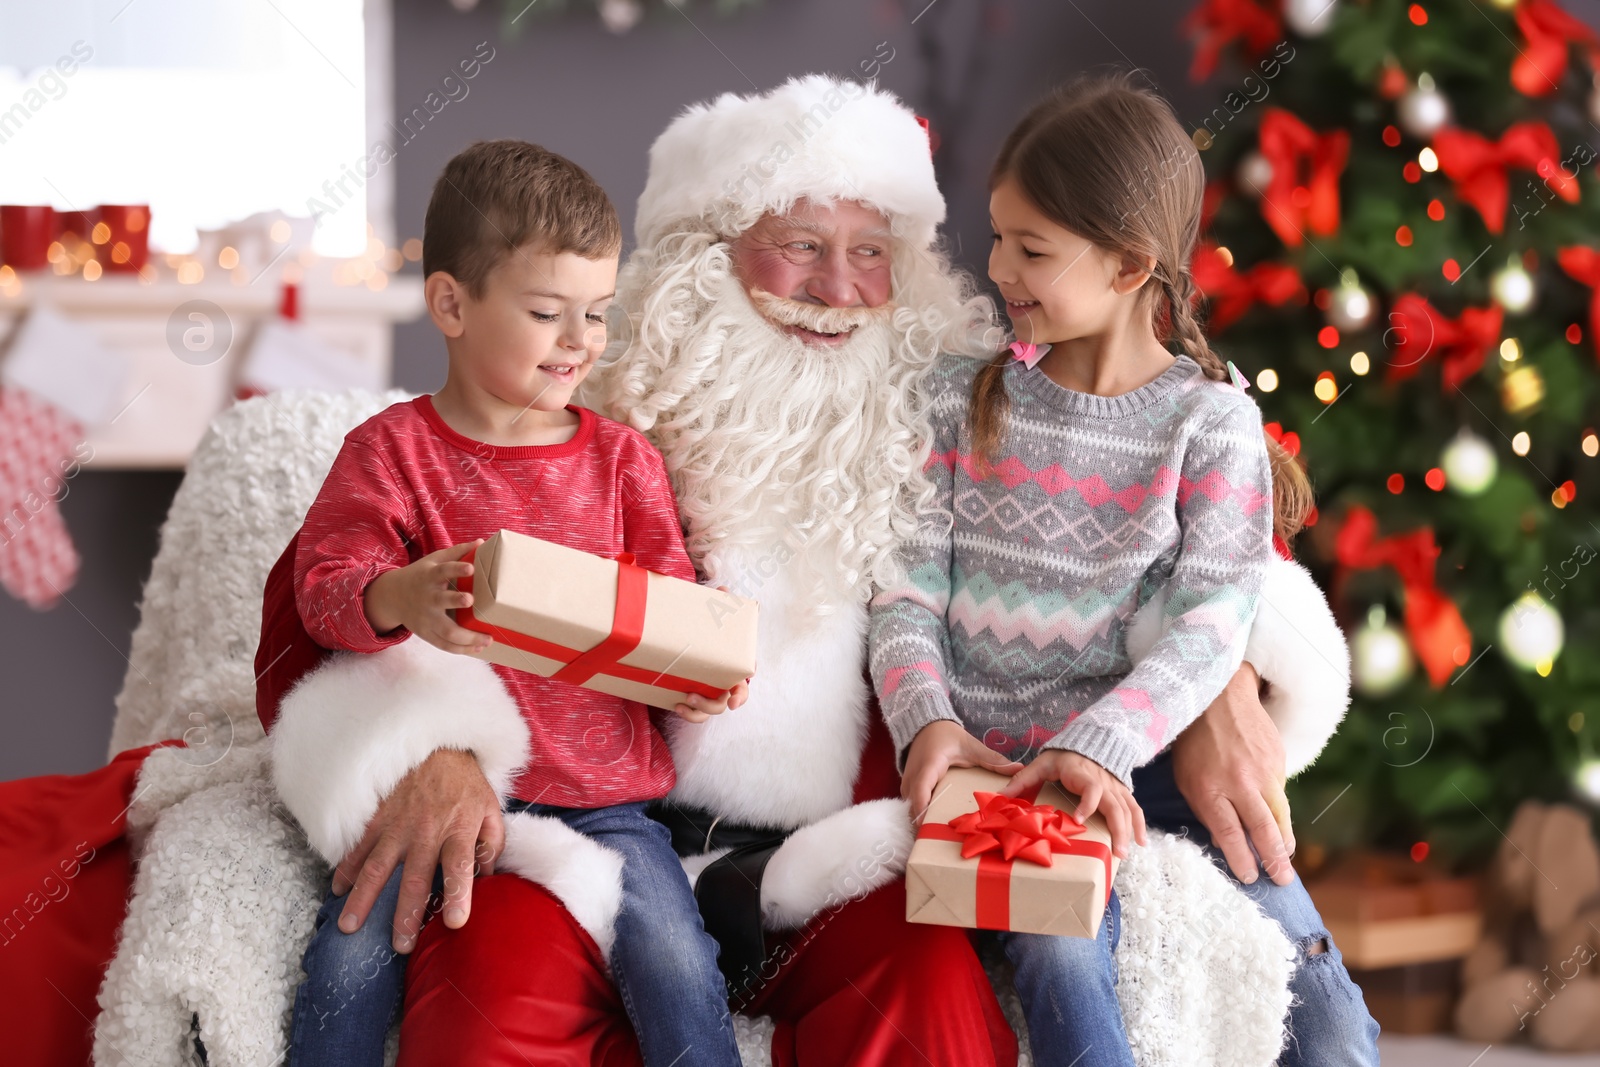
x=1350, y=306
x=1254, y=173
x=1531, y=633
x=1513, y=287
x=1267, y=380
x=1309, y=18
x=1380, y=657
x=1587, y=779
x=1521, y=389
x=1469, y=463
x=1423, y=110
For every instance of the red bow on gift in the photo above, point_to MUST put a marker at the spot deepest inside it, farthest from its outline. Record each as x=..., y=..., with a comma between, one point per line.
x=1583, y=265
x=1538, y=68
x=1006, y=829
x=1217, y=23
x=1020, y=830
x=1424, y=331
x=1433, y=622
x=1478, y=166
x=1232, y=292
x=1304, y=191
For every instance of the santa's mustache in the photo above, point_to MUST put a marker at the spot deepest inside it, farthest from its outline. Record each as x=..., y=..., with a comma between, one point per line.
x=818, y=318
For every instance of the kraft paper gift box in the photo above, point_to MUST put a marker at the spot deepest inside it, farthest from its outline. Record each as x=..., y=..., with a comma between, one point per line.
x=988, y=862
x=605, y=624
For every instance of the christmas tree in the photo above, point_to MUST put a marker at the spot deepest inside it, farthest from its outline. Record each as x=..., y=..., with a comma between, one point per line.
x=1402, y=252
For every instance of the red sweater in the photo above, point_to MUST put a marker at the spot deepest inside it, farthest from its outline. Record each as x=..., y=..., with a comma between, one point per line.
x=405, y=484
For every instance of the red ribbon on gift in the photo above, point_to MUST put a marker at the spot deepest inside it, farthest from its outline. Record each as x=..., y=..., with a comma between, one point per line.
x=579, y=666
x=1433, y=622
x=1478, y=166
x=1233, y=292
x=1540, y=65
x=1583, y=266
x=1304, y=191
x=1460, y=344
x=1006, y=829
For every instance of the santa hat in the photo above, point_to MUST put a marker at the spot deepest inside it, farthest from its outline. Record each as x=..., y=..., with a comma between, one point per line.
x=725, y=164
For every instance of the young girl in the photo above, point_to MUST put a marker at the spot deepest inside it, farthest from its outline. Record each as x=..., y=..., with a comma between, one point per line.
x=1074, y=476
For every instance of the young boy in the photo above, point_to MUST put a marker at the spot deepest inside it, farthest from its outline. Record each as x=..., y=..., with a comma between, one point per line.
x=520, y=251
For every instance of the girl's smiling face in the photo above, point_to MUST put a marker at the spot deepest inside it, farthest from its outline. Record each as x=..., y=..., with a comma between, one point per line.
x=1057, y=286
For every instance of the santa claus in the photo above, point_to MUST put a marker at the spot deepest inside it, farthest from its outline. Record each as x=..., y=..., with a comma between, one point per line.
x=785, y=296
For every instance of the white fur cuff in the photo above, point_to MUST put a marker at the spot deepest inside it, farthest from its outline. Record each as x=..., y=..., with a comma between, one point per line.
x=580, y=872
x=1301, y=653
x=840, y=858
x=349, y=731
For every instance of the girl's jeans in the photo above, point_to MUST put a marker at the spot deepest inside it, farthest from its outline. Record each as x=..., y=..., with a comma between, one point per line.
x=1067, y=984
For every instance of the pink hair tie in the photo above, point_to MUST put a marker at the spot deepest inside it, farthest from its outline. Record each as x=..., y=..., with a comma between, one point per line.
x=1027, y=353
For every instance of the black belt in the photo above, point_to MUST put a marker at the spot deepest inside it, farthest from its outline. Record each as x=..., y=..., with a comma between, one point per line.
x=728, y=891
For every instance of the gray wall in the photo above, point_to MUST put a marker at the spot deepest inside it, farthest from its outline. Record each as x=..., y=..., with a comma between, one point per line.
x=599, y=99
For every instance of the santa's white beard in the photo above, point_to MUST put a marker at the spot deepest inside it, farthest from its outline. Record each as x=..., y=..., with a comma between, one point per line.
x=799, y=455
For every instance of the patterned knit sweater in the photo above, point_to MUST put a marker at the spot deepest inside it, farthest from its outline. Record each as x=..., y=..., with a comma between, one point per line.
x=1019, y=587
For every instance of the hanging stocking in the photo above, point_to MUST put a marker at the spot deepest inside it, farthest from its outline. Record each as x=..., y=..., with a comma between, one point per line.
x=37, y=560
x=56, y=380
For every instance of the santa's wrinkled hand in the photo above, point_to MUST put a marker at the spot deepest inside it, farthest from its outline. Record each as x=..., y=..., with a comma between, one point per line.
x=1229, y=766
x=938, y=746
x=443, y=814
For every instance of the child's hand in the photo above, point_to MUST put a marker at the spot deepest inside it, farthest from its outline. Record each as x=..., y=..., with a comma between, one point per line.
x=938, y=746
x=700, y=708
x=419, y=596
x=1097, y=788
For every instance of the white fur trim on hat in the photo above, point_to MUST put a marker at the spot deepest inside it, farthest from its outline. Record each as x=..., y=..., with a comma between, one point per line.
x=349, y=731
x=1296, y=647
x=726, y=163
x=580, y=872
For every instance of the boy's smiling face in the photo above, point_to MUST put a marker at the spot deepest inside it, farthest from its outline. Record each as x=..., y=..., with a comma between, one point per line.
x=534, y=332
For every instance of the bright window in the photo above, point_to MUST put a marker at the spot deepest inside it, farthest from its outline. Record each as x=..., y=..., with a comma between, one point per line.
x=207, y=110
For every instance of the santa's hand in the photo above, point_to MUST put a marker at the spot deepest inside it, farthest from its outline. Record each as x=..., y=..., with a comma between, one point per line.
x=938, y=746
x=420, y=596
x=1229, y=767
x=444, y=813
x=1097, y=790
x=699, y=708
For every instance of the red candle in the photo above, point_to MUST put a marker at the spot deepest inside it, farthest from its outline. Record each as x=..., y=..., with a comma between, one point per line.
x=123, y=244
x=25, y=235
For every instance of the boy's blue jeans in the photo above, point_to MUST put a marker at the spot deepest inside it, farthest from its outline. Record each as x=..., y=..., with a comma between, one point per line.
x=664, y=963
x=1067, y=984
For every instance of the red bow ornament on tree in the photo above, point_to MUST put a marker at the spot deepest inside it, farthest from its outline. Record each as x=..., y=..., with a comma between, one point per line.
x=1304, y=191
x=1583, y=265
x=1539, y=66
x=1477, y=166
x=1232, y=292
x=1438, y=634
x=1217, y=23
x=1460, y=344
